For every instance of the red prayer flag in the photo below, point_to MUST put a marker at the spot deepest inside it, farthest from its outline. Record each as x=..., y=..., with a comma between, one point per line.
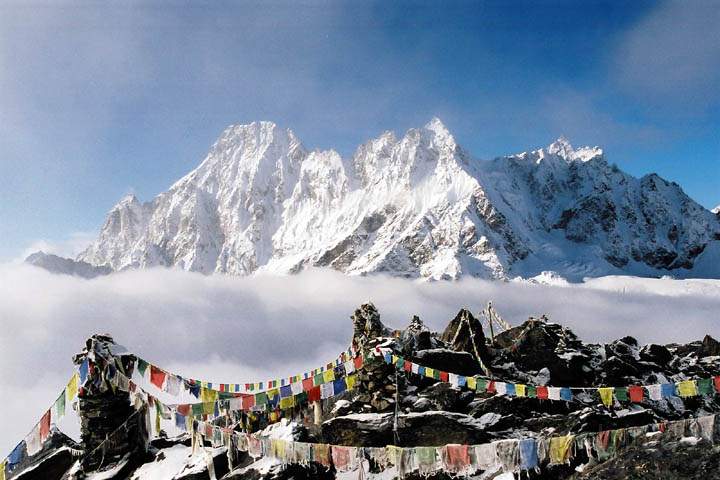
x=248, y=401
x=45, y=426
x=636, y=393
x=307, y=384
x=444, y=377
x=542, y=392
x=358, y=362
x=314, y=394
x=183, y=409
x=717, y=383
x=157, y=376
x=407, y=366
x=456, y=458
x=491, y=387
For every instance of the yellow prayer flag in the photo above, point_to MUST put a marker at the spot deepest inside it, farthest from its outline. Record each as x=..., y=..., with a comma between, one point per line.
x=520, y=390
x=2, y=469
x=394, y=359
x=287, y=402
x=560, y=449
x=328, y=376
x=207, y=395
x=687, y=388
x=273, y=392
x=606, y=395
x=471, y=383
x=72, y=388
x=429, y=372
x=350, y=381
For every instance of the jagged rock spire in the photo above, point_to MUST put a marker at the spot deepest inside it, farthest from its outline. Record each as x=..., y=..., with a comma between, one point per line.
x=464, y=333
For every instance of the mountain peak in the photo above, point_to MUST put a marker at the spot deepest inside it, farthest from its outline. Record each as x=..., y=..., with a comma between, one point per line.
x=561, y=147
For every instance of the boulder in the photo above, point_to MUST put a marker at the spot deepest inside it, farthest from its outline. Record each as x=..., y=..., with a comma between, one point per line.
x=462, y=362
x=465, y=333
x=709, y=348
x=656, y=354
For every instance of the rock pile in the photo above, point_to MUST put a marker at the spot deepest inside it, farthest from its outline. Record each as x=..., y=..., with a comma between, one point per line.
x=389, y=406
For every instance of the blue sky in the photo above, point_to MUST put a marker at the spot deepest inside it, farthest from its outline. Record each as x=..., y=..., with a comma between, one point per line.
x=97, y=101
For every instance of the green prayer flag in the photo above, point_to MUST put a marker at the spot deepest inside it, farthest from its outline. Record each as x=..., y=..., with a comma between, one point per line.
x=225, y=395
x=532, y=391
x=621, y=393
x=482, y=385
x=704, y=386
x=142, y=366
x=318, y=380
x=197, y=409
x=436, y=374
x=59, y=406
x=301, y=398
x=261, y=398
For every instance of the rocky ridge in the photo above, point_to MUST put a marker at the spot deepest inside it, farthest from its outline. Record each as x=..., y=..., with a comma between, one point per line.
x=390, y=406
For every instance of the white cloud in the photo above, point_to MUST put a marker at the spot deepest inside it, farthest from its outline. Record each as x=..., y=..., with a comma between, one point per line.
x=673, y=54
x=231, y=329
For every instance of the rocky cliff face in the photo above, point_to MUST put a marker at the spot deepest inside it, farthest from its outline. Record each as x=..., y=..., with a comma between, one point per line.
x=415, y=206
x=391, y=406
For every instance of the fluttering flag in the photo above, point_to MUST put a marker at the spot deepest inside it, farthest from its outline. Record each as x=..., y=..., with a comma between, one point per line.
x=606, y=395
x=704, y=386
x=59, y=407
x=687, y=388
x=142, y=366
x=621, y=393
x=45, y=427
x=83, y=371
x=636, y=393
x=521, y=390
x=72, y=388
x=157, y=376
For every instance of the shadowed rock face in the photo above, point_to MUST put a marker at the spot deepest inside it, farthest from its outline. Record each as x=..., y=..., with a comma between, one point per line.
x=464, y=333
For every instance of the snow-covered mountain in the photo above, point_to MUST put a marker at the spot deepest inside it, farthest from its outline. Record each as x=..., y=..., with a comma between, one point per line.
x=416, y=206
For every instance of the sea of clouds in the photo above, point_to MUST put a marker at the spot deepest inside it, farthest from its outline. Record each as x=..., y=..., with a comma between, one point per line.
x=229, y=329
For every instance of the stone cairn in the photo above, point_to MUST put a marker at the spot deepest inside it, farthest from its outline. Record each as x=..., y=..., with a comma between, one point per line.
x=110, y=427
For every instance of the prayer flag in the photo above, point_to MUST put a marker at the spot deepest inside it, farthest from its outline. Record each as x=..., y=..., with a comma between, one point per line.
x=461, y=380
x=314, y=394
x=444, y=377
x=491, y=387
x=287, y=402
x=349, y=367
x=388, y=358
x=407, y=366
x=566, y=394
x=318, y=379
x=32, y=442
x=560, y=449
x=307, y=384
x=248, y=401
x=621, y=393
x=667, y=390
x=59, y=408
x=208, y=395
x=429, y=372
x=687, y=388
x=197, y=409
x=183, y=409
x=500, y=388
x=2, y=469
x=72, y=388
x=339, y=386
x=285, y=391
x=716, y=380
x=142, y=365
x=481, y=384
x=553, y=393
x=510, y=389
x=636, y=393
x=84, y=367
x=296, y=387
x=157, y=376
x=704, y=386
x=521, y=390
x=654, y=392
x=261, y=398
x=358, y=361
x=606, y=395
x=350, y=381
x=456, y=458
x=528, y=454
x=532, y=391
x=326, y=390
x=471, y=383
x=45, y=426
x=542, y=392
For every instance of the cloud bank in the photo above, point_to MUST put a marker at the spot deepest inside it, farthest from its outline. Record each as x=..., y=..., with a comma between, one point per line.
x=230, y=329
